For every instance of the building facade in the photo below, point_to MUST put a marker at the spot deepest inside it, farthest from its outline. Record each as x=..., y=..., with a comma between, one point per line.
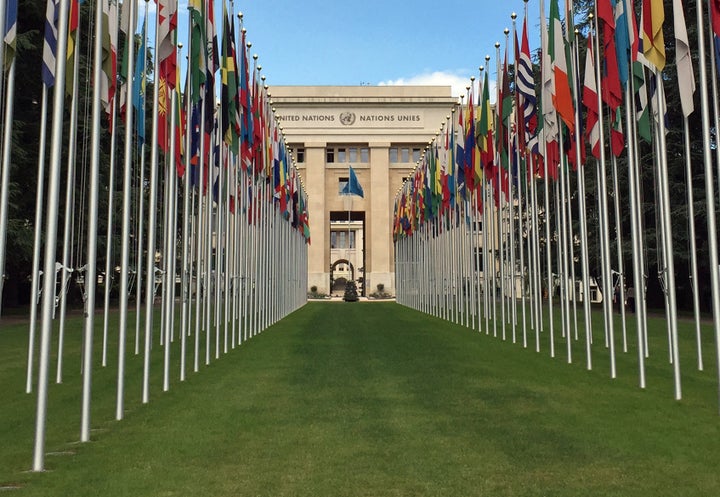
x=381, y=131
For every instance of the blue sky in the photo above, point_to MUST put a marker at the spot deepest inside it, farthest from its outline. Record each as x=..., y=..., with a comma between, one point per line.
x=353, y=42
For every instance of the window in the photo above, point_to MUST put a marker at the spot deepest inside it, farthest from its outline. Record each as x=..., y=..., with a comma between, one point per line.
x=342, y=182
x=300, y=155
x=405, y=154
x=393, y=154
x=345, y=155
x=342, y=239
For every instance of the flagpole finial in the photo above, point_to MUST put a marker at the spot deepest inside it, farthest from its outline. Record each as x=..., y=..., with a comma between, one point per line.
x=482, y=68
x=255, y=56
x=180, y=45
x=240, y=14
x=506, y=31
x=487, y=57
x=497, y=45
x=513, y=16
x=249, y=45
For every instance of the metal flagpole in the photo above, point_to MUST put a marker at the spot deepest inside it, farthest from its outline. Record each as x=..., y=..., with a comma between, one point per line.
x=693, y=245
x=107, y=280
x=37, y=237
x=710, y=186
x=91, y=268
x=48, y=298
x=126, y=207
x=604, y=235
x=69, y=220
x=140, y=249
x=152, y=226
x=185, y=270
x=618, y=239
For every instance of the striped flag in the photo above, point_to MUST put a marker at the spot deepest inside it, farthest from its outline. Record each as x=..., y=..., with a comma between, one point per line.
x=623, y=43
x=526, y=89
x=561, y=97
x=138, y=94
x=109, y=62
x=10, y=33
x=653, y=12
x=52, y=12
x=592, y=130
x=686, y=78
x=73, y=24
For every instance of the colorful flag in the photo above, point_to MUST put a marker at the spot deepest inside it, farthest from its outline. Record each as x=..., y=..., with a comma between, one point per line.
x=590, y=100
x=561, y=97
x=653, y=12
x=73, y=23
x=138, y=94
x=525, y=84
x=52, y=12
x=611, y=89
x=10, y=33
x=686, y=77
x=623, y=43
x=108, y=81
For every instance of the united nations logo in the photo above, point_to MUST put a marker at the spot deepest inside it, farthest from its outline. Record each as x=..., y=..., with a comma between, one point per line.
x=347, y=118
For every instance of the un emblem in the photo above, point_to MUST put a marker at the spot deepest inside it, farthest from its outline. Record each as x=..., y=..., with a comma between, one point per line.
x=347, y=118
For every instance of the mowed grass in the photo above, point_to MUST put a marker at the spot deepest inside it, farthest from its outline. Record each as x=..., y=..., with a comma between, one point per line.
x=374, y=399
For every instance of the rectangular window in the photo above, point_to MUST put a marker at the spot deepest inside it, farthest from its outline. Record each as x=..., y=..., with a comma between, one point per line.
x=341, y=239
x=352, y=239
x=416, y=154
x=330, y=155
x=405, y=154
x=393, y=154
x=341, y=155
x=352, y=155
x=333, y=239
x=300, y=155
x=342, y=182
x=364, y=155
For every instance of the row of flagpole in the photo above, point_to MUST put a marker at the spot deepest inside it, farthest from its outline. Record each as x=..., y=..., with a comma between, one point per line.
x=213, y=235
x=502, y=185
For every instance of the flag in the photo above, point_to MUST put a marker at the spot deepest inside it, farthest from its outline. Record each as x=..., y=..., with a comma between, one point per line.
x=623, y=43
x=561, y=97
x=686, y=78
x=460, y=154
x=353, y=186
x=611, y=89
x=127, y=27
x=485, y=133
x=197, y=58
x=109, y=55
x=73, y=23
x=52, y=12
x=642, y=109
x=229, y=96
x=10, y=33
x=525, y=83
x=138, y=94
x=653, y=12
x=592, y=129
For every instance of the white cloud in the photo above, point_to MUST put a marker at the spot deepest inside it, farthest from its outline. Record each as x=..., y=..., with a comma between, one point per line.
x=456, y=80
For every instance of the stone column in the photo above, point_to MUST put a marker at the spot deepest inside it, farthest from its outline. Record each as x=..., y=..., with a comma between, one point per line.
x=318, y=259
x=380, y=237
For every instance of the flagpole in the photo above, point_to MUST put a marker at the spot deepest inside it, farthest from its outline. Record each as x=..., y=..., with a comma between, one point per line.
x=709, y=188
x=152, y=222
x=604, y=235
x=37, y=237
x=69, y=220
x=126, y=207
x=107, y=280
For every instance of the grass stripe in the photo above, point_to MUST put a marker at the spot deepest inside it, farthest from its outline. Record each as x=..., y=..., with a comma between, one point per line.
x=374, y=400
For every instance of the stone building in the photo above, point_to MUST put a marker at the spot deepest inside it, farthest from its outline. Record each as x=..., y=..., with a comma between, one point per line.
x=381, y=131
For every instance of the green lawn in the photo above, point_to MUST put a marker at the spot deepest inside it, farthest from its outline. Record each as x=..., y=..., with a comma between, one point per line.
x=374, y=399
